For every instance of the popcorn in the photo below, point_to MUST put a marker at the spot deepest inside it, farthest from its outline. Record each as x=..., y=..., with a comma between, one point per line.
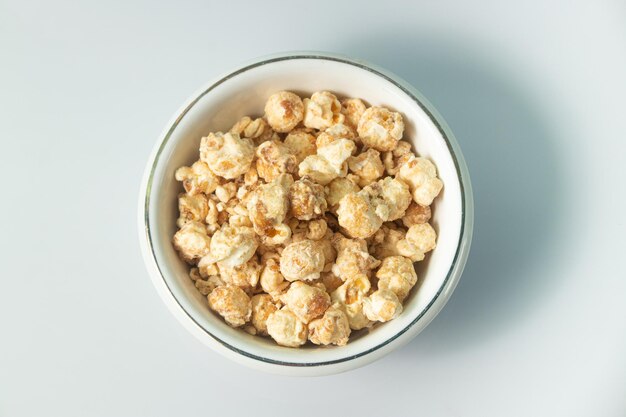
x=272, y=281
x=192, y=208
x=301, y=144
x=334, y=132
x=322, y=110
x=262, y=306
x=416, y=214
x=367, y=166
x=350, y=296
x=380, y=128
x=382, y=305
x=397, y=275
x=233, y=246
x=421, y=176
x=337, y=189
x=227, y=155
x=268, y=205
x=361, y=215
x=192, y=241
x=274, y=158
x=197, y=179
x=232, y=303
x=244, y=276
x=353, y=259
x=396, y=195
x=329, y=162
x=258, y=130
x=302, y=260
x=352, y=109
x=317, y=229
x=393, y=160
x=284, y=110
x=307, y=200
x=284, y=236
x=305, y=301
x=285, y=328
x=333, y=328
x=387, y=244
x=420, y=238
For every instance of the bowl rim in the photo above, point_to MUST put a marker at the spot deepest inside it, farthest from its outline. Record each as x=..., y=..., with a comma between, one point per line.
x=467, y=214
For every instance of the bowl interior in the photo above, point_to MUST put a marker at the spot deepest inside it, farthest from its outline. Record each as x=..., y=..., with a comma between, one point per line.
x=244, y=93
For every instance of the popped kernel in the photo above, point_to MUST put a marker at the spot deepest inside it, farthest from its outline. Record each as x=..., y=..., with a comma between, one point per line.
x=301, y=144
x=333, y=328
x=350, y=296
x=262, y=306
x=396, y=195
x=192, y=208
x=380, y=128
x=322, y=110
x=382, y=305
x=353, y=259
x=272, y=281
x=226, y=191
x=232, y=245
x=274, y=158
x=268, y=206
x=307, y=302
x=316, y=229
x=367, y=166
x=397, y=274
x=352, y=109
x=285, y=328
x=334, y=132
x=302, y=260
x=244, y=276
x=284, y=110
x=329, y=162
x=419, y=239
x=361, y=214
x=232, y=303
x=197, y=178
x=393, y=160
x=192, y=242
x=386, y=243
x=421, y=176
x=226, y=154
x=307, y=199
x=416, y=214
x=258, y=130
x=337, y=189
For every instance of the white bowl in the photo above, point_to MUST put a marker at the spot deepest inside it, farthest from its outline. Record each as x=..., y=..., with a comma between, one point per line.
x=242, y=92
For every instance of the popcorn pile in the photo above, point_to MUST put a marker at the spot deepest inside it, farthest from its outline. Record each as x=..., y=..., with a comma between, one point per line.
x=305, y=224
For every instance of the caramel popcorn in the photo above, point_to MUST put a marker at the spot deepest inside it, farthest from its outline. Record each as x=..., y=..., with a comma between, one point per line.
x=301, y=143
x=397, y=275
x=262, y=306
x=197, y=179
x=382, y=305
x=302, y=260
x=294, y=223
x=367, y=166
x=307, y=200
x=329, y=162
x=333, y=328
x=284, y=110
x=232, y=303
x=285, y=328
x=380, y=128
x=421, y=175
x=226, y=154
x=192, y=242
x=305, y=301
x=322, y=110
x=274, y=158
x=352, y=109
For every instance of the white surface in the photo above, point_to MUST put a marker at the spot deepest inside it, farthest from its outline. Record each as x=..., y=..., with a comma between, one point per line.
x=534, y=93
x=216, y=107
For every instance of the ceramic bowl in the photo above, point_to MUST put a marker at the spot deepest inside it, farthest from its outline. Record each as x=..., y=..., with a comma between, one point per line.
x=215, y=107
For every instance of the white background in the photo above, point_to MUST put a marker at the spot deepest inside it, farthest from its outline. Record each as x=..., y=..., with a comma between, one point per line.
x=535, y=94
